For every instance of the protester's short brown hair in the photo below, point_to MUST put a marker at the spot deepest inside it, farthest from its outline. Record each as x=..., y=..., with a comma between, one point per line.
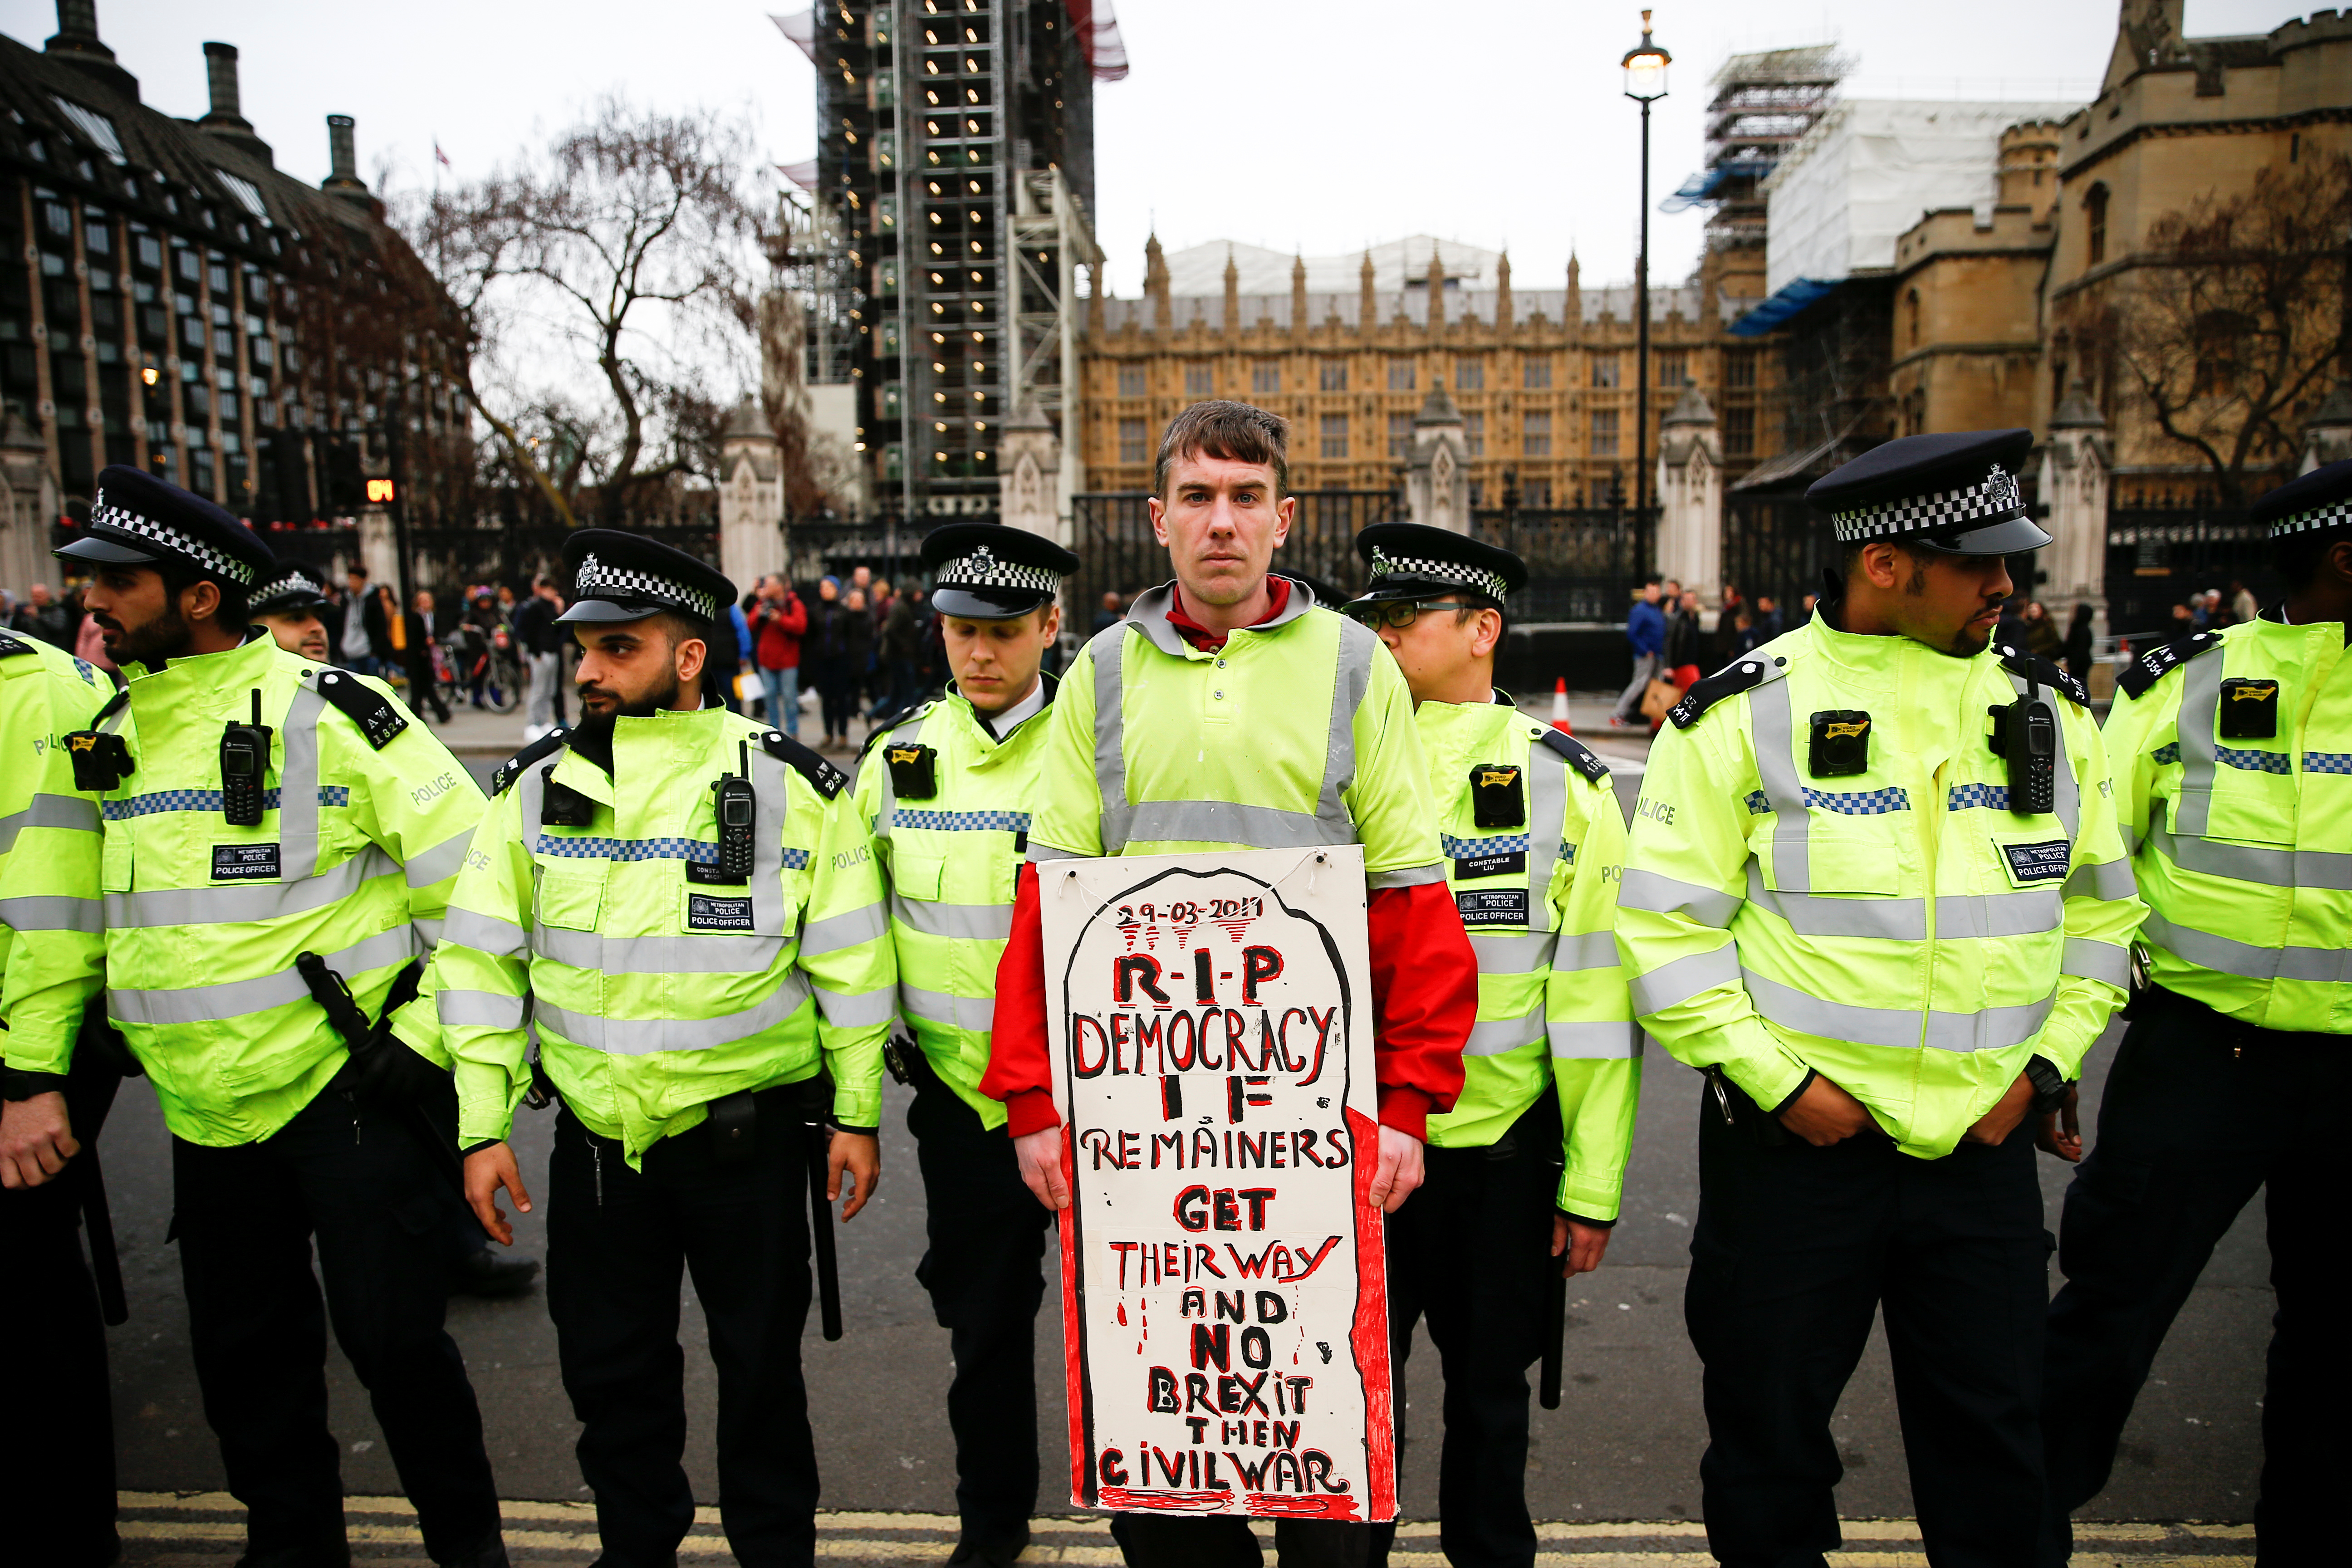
x=1237, y=432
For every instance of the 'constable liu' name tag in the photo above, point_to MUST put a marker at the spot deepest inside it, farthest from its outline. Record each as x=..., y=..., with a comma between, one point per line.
x=245, y=862
x=1501, y=907
x=2039, y=862
x=704, y=912
x=1512, y=863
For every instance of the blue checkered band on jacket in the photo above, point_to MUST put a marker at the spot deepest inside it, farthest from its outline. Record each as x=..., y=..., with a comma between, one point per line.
x=285, y=584
x=1965, y=797
x=960, y=821
x=1758, y=804
x=1476, y=578
x=1996, y=499
x=598, y=580
x=105, y=514
x=1862, y=803
x=2334, y=514
x=163, y=800
x=2327, y=762
x=2166, y=755
x=1463, y=849
x=983, y=568
x=694, y=850
x=2253, y=761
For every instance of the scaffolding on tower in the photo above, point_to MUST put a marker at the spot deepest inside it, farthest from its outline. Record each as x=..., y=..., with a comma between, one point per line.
x=1764, y=103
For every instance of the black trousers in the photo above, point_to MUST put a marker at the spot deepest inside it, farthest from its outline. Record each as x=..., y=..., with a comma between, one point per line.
x=57, y=1488
x=358, y=1181
x=618, y=1241
x=983, y=1270
x=1795, y=1249
x=2198, y=1113
x=1471, y=1251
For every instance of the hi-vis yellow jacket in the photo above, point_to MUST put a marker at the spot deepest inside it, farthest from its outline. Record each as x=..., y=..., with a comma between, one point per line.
x=1900, y=930
x=1538, y=900
x=52, y=925
x=2234, y=750
x=654, y=992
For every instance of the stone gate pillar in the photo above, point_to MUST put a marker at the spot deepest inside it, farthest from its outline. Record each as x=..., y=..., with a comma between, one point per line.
x=1690, y=497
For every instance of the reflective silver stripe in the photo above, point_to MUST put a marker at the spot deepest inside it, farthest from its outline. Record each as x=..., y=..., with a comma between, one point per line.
x=1823, y=914
x=1595, y=1042
x=297, y=798
x=2320, y=869
x=1521, y=952
x=1499, y=1037
x=1665, y=895
x=2320, y=966
x=439, y=863
x=1772, y=730
x=865, y=923
x=2028, y=911
x=53, y=913
x=771, y=795
x=2200, y=700
x=428, y=932
x=2091, y=960
x=974, y=1013
x=2109, y=879
x=1547, y=824
x=1406, y=877
x=1223, y=821
x=1038, y=852
x=1351, y=677
x=1671, y=984
x=845, y=1011
x=240, y=906
x=478, y=1009
x=1586, y=950
x=484, y=933
x=237, y=998
x=643, y=1036
x=1988, y=1029
x=961, y=922
x=905, y=734
x=695, y=952
x=67, y=810
x=1109, y=648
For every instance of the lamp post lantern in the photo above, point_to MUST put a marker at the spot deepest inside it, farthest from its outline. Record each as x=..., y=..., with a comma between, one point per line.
x=1645, y=83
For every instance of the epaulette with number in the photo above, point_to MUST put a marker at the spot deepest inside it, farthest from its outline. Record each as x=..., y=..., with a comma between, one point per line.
x=512, y=768
x=11, y=646
x=2048, y=671
x=2162, y=660
x=376, y=715
x=1578, y=755
x=884, y=726
x=827, y=780
x=1729, y=681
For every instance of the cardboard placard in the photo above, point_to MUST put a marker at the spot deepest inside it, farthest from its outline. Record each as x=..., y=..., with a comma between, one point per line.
x=1224, y=1302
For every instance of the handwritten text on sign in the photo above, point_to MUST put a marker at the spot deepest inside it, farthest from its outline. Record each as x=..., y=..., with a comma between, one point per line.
x=1223, y=1299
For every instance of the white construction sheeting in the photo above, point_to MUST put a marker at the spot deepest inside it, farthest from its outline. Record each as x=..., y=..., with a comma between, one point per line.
x=1865, y=173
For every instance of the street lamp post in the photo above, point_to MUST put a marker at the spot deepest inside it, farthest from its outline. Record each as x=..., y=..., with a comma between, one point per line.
x=1645, y=83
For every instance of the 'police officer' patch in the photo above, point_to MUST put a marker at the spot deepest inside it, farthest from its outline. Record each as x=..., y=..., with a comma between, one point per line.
x=245, y=862
x=705, y=912
x=914, y=771
x=1500, y=907
x=2044, y=862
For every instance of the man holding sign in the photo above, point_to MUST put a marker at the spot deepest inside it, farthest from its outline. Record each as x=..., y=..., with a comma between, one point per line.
x=1228, y=713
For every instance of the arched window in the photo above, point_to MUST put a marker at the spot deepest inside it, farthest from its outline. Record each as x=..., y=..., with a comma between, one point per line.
x=1911, y=315
x=2094, y=221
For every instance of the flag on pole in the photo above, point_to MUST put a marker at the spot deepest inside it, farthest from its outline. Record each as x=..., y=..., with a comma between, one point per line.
x=440, y=157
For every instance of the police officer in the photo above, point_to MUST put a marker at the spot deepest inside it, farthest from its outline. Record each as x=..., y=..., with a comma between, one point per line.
x=57, y=1492
x=946, y=791
x=1529, y=1163
x=289, y=605
x=258, y=808
x=2234, y=757
x=1229, y=711
x=691, y=921
x=1875, y=889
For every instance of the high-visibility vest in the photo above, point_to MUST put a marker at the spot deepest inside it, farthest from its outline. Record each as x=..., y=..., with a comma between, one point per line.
x=52, y=923
x=949, y=859
x=654, y=989
x=2233, y=752
x=1538, y=898
x=1900, y=929
x=365, y=819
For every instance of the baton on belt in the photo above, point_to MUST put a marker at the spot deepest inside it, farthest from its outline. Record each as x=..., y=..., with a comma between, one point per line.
x=815, y=1102
x=363, y=1040
x=1555, y=1318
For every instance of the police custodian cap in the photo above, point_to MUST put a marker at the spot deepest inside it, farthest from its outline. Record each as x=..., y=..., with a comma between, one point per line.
x=1955, y=493
x=290, y=590
x=138, y=519
x=623, y=577
x=1411, y=558
x=989, y=571
x=2321, y=499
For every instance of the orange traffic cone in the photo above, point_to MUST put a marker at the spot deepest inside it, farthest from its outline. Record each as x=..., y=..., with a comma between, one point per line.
x=1560, y=707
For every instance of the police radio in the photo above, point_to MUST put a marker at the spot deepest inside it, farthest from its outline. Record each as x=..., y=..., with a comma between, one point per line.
x=735, y=809
x=2025, y=736
x=244, y=765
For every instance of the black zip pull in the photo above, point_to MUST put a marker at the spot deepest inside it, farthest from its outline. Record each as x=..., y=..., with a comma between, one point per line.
x=597, y=1154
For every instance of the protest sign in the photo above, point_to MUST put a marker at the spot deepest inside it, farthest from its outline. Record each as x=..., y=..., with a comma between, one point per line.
x=1223, y=1303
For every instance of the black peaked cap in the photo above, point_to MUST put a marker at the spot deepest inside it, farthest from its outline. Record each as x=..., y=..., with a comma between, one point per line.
x=1411, y=558
x=1955, y=492
x=623, y=577
x=138, y=519
x=991, y=572
x=292, y=588
x=2320, y=498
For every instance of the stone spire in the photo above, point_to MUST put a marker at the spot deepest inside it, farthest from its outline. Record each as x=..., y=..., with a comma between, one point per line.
x=1233, y=293
x=1298, y=322
x=1436, y=289
x=1367, y=308
x=1503, y=292
x=1573, y=313
x=1155, y=284
x=1094, y=302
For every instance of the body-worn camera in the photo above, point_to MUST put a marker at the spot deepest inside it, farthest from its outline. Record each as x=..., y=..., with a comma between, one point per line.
x=2249, y=710
x=245, y=769
x=1841, y=743
x=560, y=805
x=102, y=760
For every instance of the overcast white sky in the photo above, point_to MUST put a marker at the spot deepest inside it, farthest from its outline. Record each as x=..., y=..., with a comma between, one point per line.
x=1288, y=123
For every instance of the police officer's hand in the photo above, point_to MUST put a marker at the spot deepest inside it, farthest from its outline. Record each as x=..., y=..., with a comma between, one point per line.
x=860, y=1153
x=1398, y=1172
x=487, y=1170
x=1039, y=1155
x=2061, y=1132
x=1825, y=1114
x=2008, y=1111
x=36, y=1140
x=1581, y=1244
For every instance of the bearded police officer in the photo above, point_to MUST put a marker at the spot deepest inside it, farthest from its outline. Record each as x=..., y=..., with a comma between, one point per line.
x=947, y=792
x=291, y=605
x=1875, y=889
x=1529, y=1165
x=685, y=912
x=2233, y=754
x=280, y=841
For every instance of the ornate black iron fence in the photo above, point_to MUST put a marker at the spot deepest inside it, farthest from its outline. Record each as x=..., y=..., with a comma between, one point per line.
x=1583, y=564
x=2159, y=555
x=444, y=560
x=1117, y=554
x=1775, y=544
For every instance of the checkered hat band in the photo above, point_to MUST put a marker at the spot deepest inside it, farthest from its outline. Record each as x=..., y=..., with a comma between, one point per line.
x=104, y=514
x=2334, y=514
x=985, y=569
x=1995, y=499
x=288, y=583
x=598, y=580
x=1478, y=578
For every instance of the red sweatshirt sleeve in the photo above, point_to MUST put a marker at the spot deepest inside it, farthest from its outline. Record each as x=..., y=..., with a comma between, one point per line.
x=1424, y=1000
x=1019, y=1071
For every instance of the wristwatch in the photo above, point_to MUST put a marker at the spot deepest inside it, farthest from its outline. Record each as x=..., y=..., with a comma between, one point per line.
x=2049, y=1085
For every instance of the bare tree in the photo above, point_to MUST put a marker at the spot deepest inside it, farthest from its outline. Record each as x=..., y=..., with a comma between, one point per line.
x=2232, y=317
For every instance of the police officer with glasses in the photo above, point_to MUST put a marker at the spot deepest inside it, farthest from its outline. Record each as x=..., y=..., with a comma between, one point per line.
x=1875, y=892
